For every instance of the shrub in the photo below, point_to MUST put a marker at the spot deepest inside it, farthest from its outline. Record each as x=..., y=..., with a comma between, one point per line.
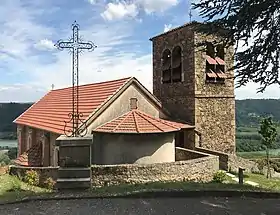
x=49, y=183
x=219, y=177
x=32, y=178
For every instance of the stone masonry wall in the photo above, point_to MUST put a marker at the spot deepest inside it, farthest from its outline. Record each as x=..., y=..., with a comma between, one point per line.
x=223, y=157
x=178, y=97
x=208, y=106
x=199, y=170
x=182, y=154
x=214, y=102
x=215, y=120
x=235, y=162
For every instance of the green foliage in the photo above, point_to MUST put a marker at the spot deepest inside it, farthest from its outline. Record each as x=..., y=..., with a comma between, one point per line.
x=4, y=159
x=258, y=60
x=219, y=177
x=49, y=183
x=32, y=178
x=268, y=131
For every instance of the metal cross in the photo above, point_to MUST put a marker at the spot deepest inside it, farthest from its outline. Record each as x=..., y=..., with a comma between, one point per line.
x=76, y=45
x=190, y=12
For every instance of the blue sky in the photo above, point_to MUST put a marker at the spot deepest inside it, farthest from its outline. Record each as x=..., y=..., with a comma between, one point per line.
x=30, y=64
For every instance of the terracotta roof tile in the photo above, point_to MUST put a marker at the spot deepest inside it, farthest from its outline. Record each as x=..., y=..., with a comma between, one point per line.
x=136, y=121
x=220, y=74
x=220, y=61
x=210, y=60
x=211, y=74
x=32, y=157
x=50, y=112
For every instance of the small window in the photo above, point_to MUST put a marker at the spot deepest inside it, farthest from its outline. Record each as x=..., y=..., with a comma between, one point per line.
x=215, y=65
x=133, y=103
x=166, y=66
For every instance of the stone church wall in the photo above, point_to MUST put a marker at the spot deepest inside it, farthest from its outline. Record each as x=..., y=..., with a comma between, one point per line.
x=215, y=120
x=198, y=170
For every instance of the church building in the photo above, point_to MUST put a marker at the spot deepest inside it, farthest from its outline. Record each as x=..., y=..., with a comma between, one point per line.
x=192, y=105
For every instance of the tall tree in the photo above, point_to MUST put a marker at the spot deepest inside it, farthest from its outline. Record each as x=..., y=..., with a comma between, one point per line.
x=255, y=24
x=268, y=131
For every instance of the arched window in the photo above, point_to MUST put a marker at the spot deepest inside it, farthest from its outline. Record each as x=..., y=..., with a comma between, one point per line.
x=29, y=142
x=166, y=66
x=177, y=64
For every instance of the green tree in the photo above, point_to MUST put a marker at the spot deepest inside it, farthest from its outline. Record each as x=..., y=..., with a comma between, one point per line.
x=256, y=24
x=268, y=131
x=4, y=159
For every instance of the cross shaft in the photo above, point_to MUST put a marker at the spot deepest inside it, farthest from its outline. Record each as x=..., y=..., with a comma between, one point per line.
x=76, y=46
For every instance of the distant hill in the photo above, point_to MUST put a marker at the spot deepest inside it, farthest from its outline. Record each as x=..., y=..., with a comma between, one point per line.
x=8, y=113
x=247, y=112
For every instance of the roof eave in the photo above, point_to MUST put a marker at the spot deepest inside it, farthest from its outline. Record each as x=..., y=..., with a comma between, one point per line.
x=135, y=133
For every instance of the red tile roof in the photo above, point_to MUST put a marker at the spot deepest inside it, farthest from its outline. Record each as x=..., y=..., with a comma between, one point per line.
x=136, y=121
x=32, y=157
x=50, y=112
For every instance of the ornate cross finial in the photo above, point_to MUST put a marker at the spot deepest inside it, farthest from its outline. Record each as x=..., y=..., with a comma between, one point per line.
x=190, y=12
x=76, y=45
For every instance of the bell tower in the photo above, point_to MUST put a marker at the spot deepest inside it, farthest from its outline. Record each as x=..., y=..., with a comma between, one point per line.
x=194, y=83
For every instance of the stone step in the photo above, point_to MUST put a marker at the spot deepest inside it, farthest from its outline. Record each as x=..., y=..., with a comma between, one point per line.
x=73, y=183
x=74, y=172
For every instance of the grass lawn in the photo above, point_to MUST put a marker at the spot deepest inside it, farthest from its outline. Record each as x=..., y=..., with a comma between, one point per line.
x=11, y=188
x=185, y=186
x=269, y=184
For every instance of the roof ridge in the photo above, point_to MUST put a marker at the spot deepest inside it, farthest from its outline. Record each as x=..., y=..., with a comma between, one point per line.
x=125, y=117
x=111, y=120
x=159, y=120
x=149, y=120
x=102, y=82
x=135, y=121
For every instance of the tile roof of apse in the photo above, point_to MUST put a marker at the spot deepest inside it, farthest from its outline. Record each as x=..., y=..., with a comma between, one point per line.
x=31, y=157
x=50, y=112
x=136, y=121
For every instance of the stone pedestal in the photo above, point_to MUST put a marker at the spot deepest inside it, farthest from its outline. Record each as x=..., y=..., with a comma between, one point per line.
x=74, y=162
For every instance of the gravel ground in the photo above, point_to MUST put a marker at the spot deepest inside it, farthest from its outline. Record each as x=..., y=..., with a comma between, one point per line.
x=160, y=206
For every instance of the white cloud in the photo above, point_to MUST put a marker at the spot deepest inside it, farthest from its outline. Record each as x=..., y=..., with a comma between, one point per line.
x=45, y=44
x=119, y=10
x=167, y=27
x=151, y=6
